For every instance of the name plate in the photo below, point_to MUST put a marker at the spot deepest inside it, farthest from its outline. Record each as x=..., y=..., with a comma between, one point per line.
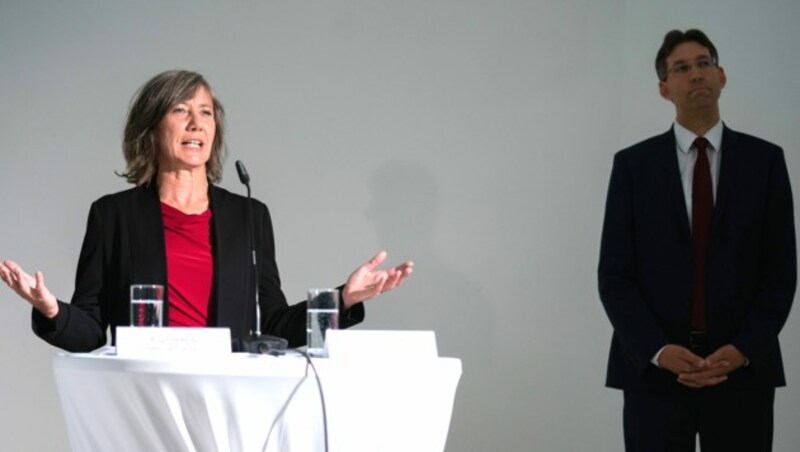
x=382, y=344
x=148, y=342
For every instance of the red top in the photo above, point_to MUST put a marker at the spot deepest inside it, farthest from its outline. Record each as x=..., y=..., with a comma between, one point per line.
x=190, y=266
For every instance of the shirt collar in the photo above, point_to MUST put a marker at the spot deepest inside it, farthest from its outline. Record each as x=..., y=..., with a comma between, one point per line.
x=685, y=137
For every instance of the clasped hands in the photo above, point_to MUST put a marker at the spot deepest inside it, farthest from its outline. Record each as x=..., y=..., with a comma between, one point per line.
x=697, y=372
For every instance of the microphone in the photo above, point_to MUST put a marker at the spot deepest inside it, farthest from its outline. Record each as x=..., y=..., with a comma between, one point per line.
x=255, y=342
x=243, y=176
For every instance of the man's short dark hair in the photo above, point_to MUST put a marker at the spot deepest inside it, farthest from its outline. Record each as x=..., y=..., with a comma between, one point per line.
x=675, y=38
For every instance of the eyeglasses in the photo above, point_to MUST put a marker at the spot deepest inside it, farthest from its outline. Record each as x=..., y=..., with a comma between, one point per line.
x=703, y=65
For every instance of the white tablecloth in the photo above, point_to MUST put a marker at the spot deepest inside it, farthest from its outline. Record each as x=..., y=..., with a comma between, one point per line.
x=239, y=403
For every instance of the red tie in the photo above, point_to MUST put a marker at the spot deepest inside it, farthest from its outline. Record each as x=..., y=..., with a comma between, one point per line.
x=702, y=208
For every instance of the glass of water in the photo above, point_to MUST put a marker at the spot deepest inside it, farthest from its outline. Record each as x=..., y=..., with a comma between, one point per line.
x=323, y=314
x=147, y=302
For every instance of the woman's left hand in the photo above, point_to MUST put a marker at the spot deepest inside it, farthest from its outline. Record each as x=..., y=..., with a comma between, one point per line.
x=368, y=281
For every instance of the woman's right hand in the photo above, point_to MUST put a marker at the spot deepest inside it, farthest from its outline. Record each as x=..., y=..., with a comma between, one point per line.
x=30, y=288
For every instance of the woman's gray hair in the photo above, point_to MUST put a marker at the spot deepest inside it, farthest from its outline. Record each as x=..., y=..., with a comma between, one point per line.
x=149, y=106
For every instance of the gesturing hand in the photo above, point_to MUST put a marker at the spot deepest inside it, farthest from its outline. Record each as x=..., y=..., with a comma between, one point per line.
x=30, y=288
x=367, y=281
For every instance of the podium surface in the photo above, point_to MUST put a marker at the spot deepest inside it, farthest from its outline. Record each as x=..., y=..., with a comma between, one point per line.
x=249, y=403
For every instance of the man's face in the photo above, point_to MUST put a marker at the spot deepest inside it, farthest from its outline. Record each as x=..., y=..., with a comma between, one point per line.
x=694, y=81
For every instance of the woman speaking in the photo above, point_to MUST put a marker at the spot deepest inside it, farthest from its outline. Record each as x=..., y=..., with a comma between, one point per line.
x=176, y=228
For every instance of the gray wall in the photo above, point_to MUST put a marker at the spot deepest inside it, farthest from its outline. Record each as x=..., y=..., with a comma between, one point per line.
x=474, y=137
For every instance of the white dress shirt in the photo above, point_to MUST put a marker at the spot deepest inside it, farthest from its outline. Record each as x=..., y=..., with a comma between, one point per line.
x=687, y=156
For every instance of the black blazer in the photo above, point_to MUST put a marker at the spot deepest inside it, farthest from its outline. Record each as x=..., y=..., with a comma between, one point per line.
x=646, y=269
x=124, y=245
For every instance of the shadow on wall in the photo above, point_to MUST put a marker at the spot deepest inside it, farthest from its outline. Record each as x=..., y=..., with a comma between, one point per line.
x=403, y=207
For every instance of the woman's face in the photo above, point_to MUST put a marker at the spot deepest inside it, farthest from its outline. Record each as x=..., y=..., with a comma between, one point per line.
x=186, y=134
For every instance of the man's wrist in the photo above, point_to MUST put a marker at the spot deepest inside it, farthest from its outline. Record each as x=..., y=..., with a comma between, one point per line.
x=657, y=355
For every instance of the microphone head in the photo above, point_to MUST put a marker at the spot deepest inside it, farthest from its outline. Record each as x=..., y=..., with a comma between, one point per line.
x=243, y=176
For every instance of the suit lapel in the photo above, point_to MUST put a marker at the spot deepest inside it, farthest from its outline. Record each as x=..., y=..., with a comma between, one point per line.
x=727, y=176
x=668, y=159
x=147, y=239
x=232, y=272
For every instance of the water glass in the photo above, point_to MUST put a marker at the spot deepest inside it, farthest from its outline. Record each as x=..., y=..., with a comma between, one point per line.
x=147, y=302
x=323, y=314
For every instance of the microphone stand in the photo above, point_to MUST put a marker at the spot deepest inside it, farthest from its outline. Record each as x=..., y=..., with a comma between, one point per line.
x=255, y=342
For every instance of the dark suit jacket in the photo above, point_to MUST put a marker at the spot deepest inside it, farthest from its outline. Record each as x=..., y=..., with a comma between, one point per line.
x=124, y=245
x=646, y=269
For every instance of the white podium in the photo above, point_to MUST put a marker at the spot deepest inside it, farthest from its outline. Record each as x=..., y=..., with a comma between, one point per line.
x=255, y=403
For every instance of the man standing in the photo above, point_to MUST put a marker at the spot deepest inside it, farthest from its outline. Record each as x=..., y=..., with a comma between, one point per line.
x=697, y=269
